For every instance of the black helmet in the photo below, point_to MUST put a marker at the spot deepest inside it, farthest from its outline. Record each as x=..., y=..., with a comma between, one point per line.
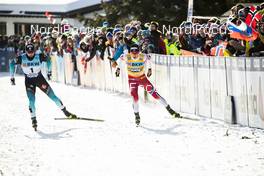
x=30, y=48
x=134, y=48
x=134, y=45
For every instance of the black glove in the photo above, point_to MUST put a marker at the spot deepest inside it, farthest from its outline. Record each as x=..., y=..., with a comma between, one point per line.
x=117, y=72
x=110, y=58
x=13, y=82
x=88, y=59
x=49, y=75
x=149, y=72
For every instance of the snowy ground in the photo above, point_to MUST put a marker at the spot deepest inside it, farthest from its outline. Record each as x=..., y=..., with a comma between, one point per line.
x=161, y=147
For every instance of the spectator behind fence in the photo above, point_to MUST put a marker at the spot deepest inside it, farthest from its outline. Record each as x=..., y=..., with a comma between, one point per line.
x=215, y=37
x=172, y=44
x=3, y=41
x=158, y=42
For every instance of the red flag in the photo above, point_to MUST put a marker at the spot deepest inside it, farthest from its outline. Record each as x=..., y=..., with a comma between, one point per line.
x=50, y=17
x=250, y=15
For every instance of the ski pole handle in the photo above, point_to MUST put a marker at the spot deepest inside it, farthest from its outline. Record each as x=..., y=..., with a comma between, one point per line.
x=117, y=72
x=13, y=82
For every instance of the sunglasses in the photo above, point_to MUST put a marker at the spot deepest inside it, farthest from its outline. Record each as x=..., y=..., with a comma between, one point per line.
x=134, y=50
x=30, y=52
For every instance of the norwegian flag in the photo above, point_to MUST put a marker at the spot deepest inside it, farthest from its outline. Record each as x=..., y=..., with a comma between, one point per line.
x=50, y=17
x=253, y=18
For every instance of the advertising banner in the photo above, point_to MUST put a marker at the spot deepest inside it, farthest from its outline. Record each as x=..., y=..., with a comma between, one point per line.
x=236, y=76
x=187, y=84
x=255, y=91
x=162, y=76
x=203, y=86
x=218, y=87
x=174, y=82
x=68, y=66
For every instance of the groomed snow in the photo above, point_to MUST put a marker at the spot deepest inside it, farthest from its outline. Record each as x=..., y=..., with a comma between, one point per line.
x=161, y=147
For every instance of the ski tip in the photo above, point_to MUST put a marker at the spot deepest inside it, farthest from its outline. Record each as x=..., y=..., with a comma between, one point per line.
x=187, y=118
x=81, y=118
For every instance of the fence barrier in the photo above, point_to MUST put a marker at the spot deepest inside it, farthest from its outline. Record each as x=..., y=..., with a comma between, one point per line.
x=225, y=88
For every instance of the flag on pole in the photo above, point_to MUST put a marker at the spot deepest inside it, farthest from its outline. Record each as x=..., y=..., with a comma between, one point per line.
x=50, y=17
x=190, y=11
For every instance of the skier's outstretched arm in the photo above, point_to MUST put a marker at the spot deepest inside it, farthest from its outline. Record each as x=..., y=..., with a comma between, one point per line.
x=118, y=53
x=148, y=64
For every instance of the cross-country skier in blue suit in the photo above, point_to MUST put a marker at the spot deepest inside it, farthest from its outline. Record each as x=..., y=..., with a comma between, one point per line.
x=31, y=65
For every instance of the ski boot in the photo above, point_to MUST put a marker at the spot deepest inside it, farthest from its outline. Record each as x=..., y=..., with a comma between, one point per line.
x=172, y=112
x=68, y=114
x=137, y=118
x=34, y=123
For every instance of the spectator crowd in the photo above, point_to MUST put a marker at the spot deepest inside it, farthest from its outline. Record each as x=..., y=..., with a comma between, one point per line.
x=229, y=37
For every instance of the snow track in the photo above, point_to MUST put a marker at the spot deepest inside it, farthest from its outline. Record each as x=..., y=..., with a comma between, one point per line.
x=161, y=146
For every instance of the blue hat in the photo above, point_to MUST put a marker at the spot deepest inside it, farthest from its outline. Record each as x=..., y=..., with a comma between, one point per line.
x=133, y=29
x=109, y=35
x=116, y=31
x=128, y=33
